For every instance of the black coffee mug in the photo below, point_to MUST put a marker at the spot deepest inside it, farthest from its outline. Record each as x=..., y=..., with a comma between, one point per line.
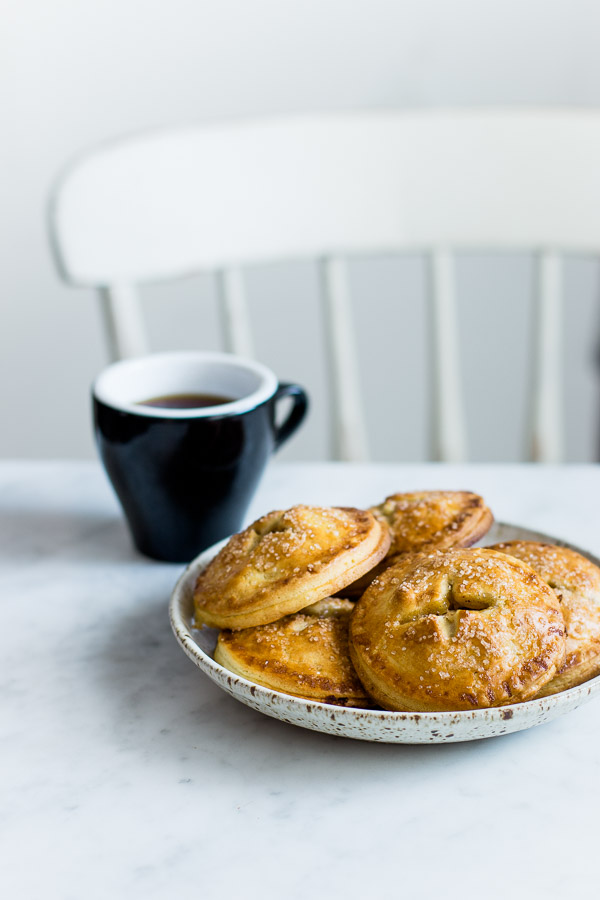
x=185, y=477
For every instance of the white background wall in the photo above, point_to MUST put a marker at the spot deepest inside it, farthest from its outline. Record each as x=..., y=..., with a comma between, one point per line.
x=73, y=73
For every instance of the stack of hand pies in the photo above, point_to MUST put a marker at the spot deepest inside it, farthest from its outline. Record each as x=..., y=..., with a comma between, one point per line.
x=393, y=607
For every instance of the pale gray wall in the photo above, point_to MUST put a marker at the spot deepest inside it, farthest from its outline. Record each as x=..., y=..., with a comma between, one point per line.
x=73, y=73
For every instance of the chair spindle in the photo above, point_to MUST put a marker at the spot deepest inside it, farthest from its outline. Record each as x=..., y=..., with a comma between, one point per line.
x=546, y=399
x=448, y=436
x=123, y=321
x=349, y=432
x=235, y=316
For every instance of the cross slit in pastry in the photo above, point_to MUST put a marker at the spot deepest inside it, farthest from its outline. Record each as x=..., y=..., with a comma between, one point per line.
x=461, y=629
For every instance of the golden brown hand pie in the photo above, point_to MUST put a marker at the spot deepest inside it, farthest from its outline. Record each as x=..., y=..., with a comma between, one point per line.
x=576, y=582
x=433, y=520
x=428, y=520
x=305, y=654
x=285, y=561
x=461, y=629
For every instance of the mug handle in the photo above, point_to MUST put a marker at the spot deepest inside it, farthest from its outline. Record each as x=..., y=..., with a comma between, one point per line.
x=296, y=414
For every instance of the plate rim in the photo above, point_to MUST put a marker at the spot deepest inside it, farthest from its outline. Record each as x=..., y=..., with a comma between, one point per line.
x=489, y=715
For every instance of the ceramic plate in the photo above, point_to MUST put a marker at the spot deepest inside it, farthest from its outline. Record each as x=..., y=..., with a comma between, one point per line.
x=362, y=724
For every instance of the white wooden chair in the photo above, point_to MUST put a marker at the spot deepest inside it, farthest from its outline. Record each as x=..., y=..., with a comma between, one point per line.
x=159, y=205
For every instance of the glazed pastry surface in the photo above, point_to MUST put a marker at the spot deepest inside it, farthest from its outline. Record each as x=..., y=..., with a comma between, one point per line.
x=304, y=654
x=455, y=630
x=576, y=582
x=422, y=521
x=433, y=520
x=285, y=561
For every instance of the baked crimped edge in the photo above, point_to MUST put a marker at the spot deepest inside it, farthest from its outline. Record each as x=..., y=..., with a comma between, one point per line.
x=304, y=654
x=576, y=582
x=287, y=560
x=425, y=521
x=421, y=521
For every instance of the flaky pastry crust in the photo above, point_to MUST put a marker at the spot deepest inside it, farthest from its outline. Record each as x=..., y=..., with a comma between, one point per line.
x=461, y=629
x=422, y=521
x=305, y=654
x=576, y=582
x=285, y=561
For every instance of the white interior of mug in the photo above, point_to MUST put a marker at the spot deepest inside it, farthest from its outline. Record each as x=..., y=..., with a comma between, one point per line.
x=126, y=384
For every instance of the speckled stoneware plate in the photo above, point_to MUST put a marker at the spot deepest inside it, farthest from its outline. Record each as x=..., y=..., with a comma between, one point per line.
x=362, y=724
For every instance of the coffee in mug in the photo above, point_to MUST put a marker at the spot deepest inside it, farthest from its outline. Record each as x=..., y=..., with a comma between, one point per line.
x=186, y=401
x=185, y=438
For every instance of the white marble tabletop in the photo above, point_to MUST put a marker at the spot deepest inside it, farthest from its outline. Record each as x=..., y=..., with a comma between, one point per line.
x=126, y=773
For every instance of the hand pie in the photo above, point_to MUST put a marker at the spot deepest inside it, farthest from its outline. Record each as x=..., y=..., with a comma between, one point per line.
x=305, y=654
x=464, y=629
x=433, y=520
x=428, y=520
x=576, y=582
x=284, y=562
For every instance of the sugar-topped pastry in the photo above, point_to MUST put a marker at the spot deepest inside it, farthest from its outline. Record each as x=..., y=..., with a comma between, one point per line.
x=576, y=582
x=461, y=629
x=433, y=520
x=428, y=520
x=286, y=561
x=304, y=654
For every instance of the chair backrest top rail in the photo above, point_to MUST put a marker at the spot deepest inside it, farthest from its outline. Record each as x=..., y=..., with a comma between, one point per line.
x=158, y=204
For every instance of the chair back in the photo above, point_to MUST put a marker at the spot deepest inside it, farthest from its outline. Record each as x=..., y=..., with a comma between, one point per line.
x=221, y=197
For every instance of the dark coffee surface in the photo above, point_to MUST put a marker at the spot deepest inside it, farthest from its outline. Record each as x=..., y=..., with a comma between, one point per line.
x=186, y=401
